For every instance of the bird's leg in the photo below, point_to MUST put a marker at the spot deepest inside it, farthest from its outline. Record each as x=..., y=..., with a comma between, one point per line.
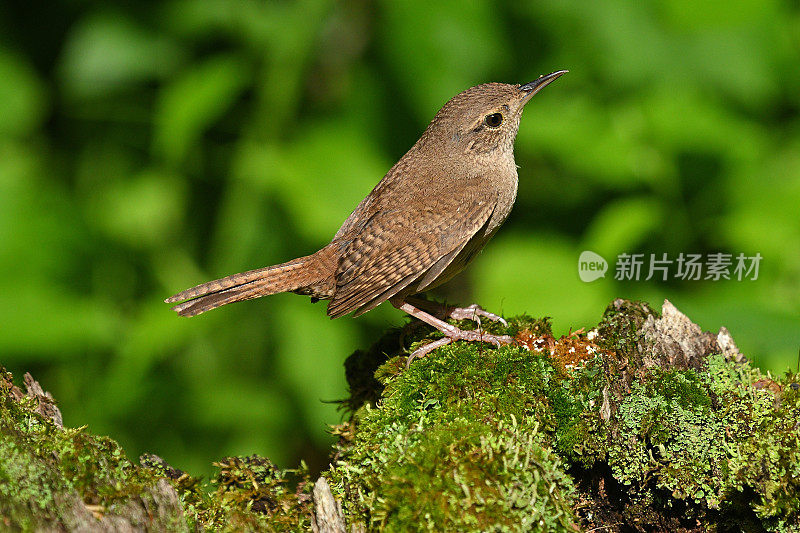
x=451, y=333
x=473, y=312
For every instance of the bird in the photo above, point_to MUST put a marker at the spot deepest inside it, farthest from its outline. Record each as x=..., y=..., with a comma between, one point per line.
x=422, y=224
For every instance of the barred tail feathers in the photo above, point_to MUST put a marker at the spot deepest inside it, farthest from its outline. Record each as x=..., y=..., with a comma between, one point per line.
x=285, y=277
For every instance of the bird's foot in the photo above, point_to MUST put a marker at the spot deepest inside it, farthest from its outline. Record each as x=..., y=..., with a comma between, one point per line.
x=451, y=332
x=454, y=334
x=474, y=312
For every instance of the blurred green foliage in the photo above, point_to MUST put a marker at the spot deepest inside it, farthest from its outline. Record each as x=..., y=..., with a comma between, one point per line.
x=149, y=146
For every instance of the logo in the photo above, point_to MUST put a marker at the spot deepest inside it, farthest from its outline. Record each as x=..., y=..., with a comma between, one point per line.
x=591, y=266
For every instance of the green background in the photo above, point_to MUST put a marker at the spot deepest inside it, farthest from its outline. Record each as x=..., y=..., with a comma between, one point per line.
x=149, y=146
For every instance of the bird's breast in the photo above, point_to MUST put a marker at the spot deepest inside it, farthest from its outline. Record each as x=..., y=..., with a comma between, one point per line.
x=505, y=182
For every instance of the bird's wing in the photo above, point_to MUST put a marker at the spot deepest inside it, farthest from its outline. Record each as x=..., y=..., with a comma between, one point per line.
x=402, y=244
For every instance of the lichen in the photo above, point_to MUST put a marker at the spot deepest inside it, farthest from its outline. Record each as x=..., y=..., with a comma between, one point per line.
x=644, y=423
x=713, y=440
x=47, y=472
x=53, y=478
x=619, y=434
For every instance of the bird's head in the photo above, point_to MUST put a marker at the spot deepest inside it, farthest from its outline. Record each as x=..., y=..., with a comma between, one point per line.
x=486, y=117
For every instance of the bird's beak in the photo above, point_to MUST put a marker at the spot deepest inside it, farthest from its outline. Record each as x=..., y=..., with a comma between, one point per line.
x=529, y=89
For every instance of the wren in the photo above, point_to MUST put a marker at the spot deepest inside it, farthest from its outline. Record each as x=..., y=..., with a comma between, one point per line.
x=423, y=223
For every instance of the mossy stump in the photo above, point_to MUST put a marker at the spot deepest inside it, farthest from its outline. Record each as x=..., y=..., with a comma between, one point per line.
x=644, y=423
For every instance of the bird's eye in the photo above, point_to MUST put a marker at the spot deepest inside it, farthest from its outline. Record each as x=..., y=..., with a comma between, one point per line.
x=493, y=120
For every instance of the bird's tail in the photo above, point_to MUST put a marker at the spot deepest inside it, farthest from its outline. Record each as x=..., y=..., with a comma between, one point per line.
x=286, y=277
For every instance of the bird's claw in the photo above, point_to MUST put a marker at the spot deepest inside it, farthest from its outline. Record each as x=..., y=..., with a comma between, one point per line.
x=459, y=335
x=474, y=312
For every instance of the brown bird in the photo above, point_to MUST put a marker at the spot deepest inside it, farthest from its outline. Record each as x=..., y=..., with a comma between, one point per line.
x=422, y=224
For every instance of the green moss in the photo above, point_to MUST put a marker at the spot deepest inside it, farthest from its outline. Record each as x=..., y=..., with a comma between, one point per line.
x=620, y=326
x=469, y=429
x=473, y=438
x=580, y=434
x=45, y=470
x=668, y=446
x=48, y=476
x=250, y=494
x=536, y=326
x=27, y=490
